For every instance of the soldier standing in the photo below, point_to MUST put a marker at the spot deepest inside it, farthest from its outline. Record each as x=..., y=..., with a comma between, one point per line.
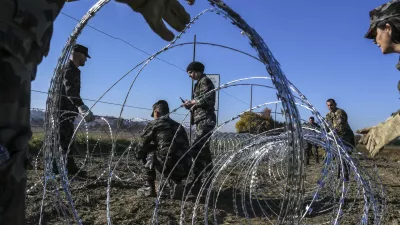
x=338, y=119
x=385, y=31
x=26, y=29
x=155, y=142
x=204, y=118
x=311, y=123
x=71, y=101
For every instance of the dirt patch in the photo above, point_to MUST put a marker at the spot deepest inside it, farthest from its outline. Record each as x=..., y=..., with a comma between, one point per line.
x=90, y=196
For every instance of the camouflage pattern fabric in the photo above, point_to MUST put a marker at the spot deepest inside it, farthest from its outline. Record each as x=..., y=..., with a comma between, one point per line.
x=204, y=108
x=310, y=146
x=71, y=89
x=338, y=120
x=201, y=144
x=309, y=152
x=26, y=28
x=382, y=13
x=153, y=146
x=15, y=133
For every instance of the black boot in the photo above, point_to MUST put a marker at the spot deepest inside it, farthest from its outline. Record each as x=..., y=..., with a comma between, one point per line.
x=176, y=189
x=55, y=168
x=73, y=169
x=147, y=190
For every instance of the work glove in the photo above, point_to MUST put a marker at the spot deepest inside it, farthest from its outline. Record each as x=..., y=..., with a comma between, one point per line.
x=155, y=11
x=376, y=137
x=395, y=113
x=84, y=111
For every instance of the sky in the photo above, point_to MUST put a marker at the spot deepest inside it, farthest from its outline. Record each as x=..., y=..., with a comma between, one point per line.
x=319, y=44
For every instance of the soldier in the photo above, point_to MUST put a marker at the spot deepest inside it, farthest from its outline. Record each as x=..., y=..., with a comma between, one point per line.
x=204, y=118
x=155, y=142
x=385, y=31
x=26, y=29
x=312, y=124
x=337, y=118
x=71, y=101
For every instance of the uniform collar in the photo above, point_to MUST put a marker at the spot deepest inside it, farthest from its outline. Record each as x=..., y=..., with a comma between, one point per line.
x=72, y=64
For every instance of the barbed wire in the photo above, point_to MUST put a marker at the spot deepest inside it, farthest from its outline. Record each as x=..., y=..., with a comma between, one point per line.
x=137, y=48
x=261, y=168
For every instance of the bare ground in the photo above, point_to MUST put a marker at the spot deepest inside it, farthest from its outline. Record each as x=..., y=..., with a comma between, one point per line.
x=90, y=197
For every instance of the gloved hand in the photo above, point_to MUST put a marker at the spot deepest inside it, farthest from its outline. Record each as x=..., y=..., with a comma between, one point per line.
x=395, y=113
x=154, y=11
x=375, y=138
x=83, y=109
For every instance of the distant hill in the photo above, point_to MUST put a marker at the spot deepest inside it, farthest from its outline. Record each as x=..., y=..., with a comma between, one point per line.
x=38, y=117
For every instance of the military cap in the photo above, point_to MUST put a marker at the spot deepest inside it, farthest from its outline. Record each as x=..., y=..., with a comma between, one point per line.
x=81, y=49
x=161, y=105
x=381, y=13
x=195, y=66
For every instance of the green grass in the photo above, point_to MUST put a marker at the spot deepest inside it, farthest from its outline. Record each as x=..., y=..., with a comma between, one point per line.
x=96, y=142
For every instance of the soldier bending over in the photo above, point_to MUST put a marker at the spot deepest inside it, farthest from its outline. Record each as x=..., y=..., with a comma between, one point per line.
x=155, y=142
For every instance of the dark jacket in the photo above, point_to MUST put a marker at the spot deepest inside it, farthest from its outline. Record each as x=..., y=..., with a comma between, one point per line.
x=71, y=88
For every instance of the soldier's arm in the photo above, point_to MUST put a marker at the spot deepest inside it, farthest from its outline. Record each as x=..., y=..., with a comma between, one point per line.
x=206, y=99
x=341, y=122
x=72, y=88
x=145, y=139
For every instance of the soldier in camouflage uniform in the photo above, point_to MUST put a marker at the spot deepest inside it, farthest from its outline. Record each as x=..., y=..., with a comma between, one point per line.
x=338, y=119
x=71, y=103
x=312, y=124
x=155, y=142
x=204, y=118
x=384, y=29
x=26, y=28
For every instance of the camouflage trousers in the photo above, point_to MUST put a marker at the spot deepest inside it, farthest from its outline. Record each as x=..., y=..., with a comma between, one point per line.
x=154, y=162
x=348, y=141
x=309, y=152
x=201, y=148
x=15, y=133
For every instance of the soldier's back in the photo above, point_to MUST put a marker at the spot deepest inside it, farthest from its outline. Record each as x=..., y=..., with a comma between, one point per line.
x=166, y=129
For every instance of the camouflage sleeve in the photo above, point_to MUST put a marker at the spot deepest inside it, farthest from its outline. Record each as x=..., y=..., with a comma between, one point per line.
x=328, y=119
x=145, y=139
x=209, y=99
x=72, y=88
x=341, y=122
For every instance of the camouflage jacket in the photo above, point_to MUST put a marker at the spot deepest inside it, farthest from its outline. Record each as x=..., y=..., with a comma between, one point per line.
x=205, y=106
x=26, y=28
x=338, y=120
x=160, y=133
x=71, y=88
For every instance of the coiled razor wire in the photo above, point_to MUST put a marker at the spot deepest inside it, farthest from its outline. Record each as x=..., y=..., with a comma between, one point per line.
x=266, y=171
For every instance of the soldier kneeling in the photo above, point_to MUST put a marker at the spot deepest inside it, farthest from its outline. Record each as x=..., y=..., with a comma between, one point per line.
x=158, y=147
